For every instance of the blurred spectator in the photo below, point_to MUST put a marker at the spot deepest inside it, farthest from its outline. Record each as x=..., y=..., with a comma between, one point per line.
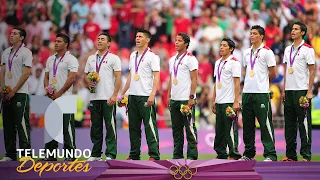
x=181, y=24
x=138, y=13
x=205, y=71
x=58, y=11
x=45, y=25
x=44, y=54
x=86, y=44
x=35, y=44
x=213, y=34
x=35, y=81
x=74, y=27
x=272, y=30
x=124, y=19
x=256, y=20
x=264, y=15
x=205, y=111
x=169, y=17
x=316, y=44
x=33, y=29
x=3, y=36
x=238, y=23
x=102, y=14
x=75, y=46
x=154, y=24
x=223, y=21
x=91, y=28
x=83, y=10
x=11, y=12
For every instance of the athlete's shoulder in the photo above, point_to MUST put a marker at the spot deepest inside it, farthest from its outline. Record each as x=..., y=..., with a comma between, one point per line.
x=234, y=59
x=266, y=47
x=7, y=51
x=190, y=54
x=133, y=54
x=306, y=45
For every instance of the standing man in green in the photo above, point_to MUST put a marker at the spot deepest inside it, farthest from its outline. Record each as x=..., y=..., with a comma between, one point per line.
x=61, y=71
x=226, y=93
x=143, y=82
x=15, y=71
x=183, y=69
x=298, y=80
x=260, y=65
x=102, y=103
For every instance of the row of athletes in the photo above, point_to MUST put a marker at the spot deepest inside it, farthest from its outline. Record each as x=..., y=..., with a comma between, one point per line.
x=142, y=82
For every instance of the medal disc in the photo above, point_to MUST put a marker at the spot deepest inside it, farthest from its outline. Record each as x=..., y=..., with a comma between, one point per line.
x=175, y=81
x=219, y=85
x=290, y=70
x=9, y=75
x=252, y=73
x=136, y=77
x=54, y=80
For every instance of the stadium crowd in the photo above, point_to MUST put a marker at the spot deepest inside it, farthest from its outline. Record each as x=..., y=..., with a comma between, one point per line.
x=206, y=21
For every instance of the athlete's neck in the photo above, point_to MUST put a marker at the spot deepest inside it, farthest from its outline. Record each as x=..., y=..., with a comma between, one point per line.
x=225, y=57
x=255, y=46
x=181, y=52
x=16, y=45
x=297, y=42
x=142, y=49
x=102, y=52
x=61, y=53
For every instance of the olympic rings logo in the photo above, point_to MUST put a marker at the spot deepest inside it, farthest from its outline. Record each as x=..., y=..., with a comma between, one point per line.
x=179, y=172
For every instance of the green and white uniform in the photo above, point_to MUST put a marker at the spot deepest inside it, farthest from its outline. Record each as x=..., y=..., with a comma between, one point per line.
x=15, y=112
x=99, y=108
x=67, y=64
x=297, y=85
x=226, y=128
x=180, y=93
x=256, y=102
x=139, y=93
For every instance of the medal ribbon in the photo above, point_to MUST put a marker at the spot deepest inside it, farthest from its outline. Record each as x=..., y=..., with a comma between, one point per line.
x=55, y=66
x=220, y=70
x=294, y=57
x=252, y=63
x=98, y=66
x=175, y=67
x=138, y=64
x=10, y=58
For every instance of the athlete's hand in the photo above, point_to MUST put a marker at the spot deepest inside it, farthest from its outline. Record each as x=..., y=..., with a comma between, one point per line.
x=213, y=107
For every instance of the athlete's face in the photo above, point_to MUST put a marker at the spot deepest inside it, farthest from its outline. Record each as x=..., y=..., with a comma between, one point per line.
x=255, y=37
x=180, y=44
x=15, y=36
x=103, y=42
x=225, y=48
x=60, y=44
x=141, y=39
x=296, y=32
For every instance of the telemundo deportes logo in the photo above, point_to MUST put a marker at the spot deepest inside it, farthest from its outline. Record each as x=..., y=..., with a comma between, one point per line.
x=53, y=111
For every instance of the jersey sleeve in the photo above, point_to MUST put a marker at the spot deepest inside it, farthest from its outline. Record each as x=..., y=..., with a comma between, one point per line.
x=193, y=64
x=73, y=64
x=236, y=69
x=117, y=64
x=310, y=56
x=155, y=66
x=27, y=59
x=87, y=68
x=271, y=60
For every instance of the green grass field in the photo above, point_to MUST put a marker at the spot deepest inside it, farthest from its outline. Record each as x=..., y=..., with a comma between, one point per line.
x=203, y=157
